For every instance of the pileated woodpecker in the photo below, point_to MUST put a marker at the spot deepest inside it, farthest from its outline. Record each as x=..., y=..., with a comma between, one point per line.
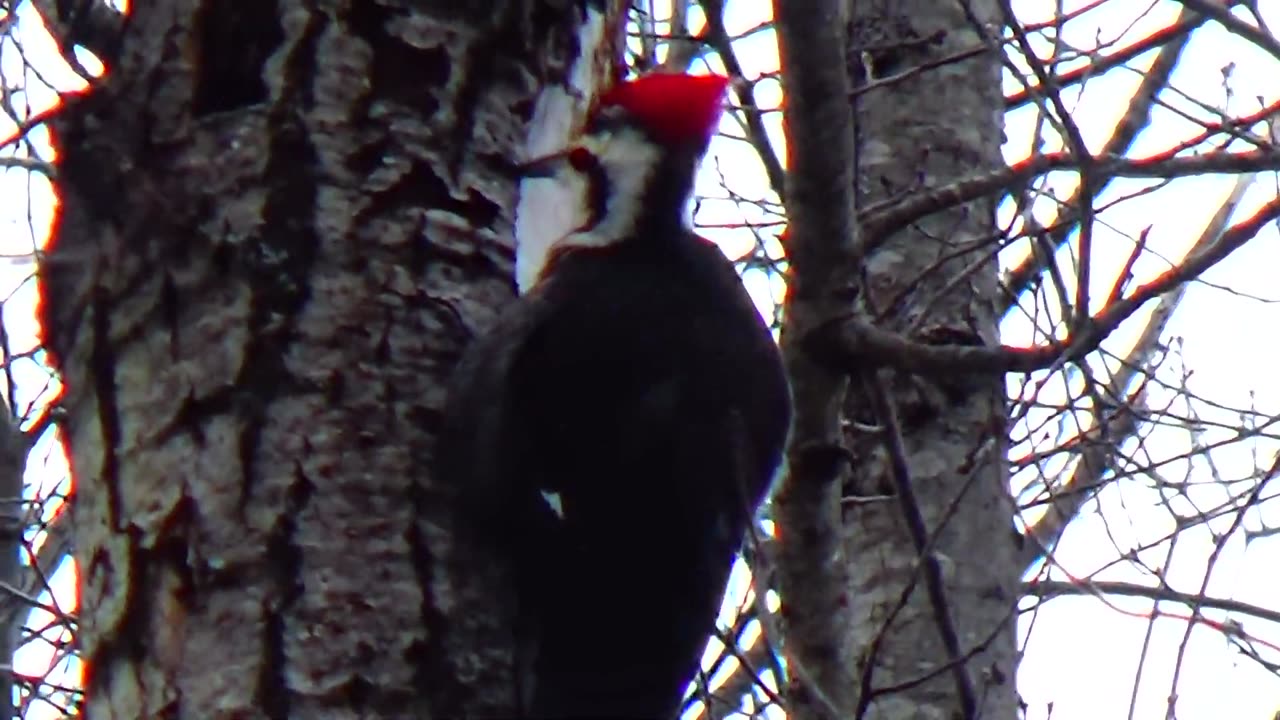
x=621, y=422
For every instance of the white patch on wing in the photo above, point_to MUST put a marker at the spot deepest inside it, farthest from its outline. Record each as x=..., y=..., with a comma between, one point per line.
x=546, y=211
x=553, y=501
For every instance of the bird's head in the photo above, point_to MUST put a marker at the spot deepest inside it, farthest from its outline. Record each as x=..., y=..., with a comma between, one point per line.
x=632, y=167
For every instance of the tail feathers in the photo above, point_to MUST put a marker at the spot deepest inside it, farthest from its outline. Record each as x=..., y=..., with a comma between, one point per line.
x=629, y=657
x=604, y=688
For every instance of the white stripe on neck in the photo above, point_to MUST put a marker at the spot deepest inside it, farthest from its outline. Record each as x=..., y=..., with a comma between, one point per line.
x=629, y=160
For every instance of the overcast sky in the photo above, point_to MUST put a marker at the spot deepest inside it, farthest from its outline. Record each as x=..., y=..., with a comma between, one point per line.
x=1083, y=654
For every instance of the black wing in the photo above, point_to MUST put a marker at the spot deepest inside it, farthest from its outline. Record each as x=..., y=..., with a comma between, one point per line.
x=656, y=407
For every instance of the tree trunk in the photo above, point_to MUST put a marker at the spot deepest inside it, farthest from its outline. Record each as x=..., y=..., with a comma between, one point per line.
x=937, y=460
x=931, y=481
x=279, y=223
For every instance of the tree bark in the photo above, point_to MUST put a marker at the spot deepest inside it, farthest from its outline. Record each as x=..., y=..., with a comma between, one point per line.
x=811, y=565
x=279, y=223
x=927, y=518
x=14, y=520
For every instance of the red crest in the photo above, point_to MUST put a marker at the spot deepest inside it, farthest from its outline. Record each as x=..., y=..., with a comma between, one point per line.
x=674, y=107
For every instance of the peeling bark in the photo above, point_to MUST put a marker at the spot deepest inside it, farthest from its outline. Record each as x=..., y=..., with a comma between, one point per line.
x=279, y=223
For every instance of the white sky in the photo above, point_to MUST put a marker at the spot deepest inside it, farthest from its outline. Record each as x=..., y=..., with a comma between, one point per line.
x=1083, y=655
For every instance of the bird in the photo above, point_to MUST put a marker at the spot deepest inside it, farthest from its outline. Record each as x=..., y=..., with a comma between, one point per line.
x=616, y=428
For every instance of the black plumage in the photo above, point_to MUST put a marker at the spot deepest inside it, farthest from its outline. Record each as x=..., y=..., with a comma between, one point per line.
x=636, y=382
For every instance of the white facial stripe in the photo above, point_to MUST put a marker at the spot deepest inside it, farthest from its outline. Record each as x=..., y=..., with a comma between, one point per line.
x=629, y=160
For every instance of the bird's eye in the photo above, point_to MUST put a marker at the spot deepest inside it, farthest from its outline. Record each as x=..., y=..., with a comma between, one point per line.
x=581, y=159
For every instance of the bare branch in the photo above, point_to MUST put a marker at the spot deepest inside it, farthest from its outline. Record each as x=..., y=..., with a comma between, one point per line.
x=1109, y=433
x=744, y=93
x=1221, y=13
x=853, y=343
x=29, y=164
x=1179, y=29
x=1135, y=119
x=1075, y=140
x=820, y=193
x=1047, y=589
x=882, y=219
x=681, y=47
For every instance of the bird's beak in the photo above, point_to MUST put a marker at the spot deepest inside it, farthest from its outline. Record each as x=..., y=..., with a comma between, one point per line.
x=543, y=167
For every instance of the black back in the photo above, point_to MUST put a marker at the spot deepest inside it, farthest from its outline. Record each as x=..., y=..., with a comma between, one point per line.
x=639, y=382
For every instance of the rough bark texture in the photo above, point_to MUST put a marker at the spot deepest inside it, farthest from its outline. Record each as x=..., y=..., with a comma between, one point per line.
x=931, y=281
x=280, y=221
x=14, y=448
x=811, y=564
